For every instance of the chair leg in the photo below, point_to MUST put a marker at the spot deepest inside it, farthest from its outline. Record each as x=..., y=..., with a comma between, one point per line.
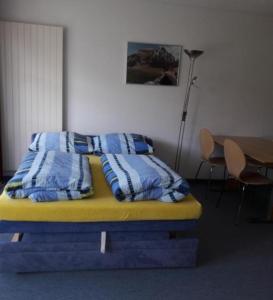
x=199, y=168
x=225, y=172
x=209, y=180
x=223, y=188
x=220, y=196
x=240, y=205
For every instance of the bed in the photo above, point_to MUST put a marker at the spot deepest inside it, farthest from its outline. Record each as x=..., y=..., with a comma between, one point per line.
x=97, y=232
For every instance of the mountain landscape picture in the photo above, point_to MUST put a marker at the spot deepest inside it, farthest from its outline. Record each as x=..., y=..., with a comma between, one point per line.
x=153, y=64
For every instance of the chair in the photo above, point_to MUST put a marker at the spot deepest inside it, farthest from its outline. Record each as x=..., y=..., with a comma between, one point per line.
x=207, y=146
x=236, y=165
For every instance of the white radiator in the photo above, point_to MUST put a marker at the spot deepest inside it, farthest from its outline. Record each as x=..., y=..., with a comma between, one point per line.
x=31, y=72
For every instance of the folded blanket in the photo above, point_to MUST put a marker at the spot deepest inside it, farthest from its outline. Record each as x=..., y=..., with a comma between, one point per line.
x=52, y=175
x=142, y=177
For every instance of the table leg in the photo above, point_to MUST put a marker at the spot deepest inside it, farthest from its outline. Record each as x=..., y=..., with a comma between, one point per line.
x=269, y=213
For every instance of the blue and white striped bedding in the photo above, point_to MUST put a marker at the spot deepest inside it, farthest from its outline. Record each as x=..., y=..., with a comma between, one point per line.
x=62, y=141
x=50, y=176
x=122, y=143
x=142, y=177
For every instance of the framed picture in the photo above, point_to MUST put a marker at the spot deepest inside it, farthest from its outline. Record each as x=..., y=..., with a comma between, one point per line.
x=153, y=64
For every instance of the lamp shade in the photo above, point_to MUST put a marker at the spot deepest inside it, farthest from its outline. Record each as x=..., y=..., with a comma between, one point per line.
x=193, y=53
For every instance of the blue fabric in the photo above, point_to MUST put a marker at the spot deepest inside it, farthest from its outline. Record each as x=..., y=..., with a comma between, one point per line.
x=62, y=141
x=34, y=135
x=142, y=177
x=122, y=143
x=118, y=226
x=52, y=175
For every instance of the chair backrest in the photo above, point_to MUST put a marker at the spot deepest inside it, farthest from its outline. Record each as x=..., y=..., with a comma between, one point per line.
x=206, y=143
x=234, y=157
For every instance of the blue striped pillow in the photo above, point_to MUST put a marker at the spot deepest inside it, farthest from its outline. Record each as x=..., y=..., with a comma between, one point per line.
x=63, y=142
x=122, y=143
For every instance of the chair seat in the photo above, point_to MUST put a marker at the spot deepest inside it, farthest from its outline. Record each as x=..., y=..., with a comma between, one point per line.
x=254, y=178
x=217, y=161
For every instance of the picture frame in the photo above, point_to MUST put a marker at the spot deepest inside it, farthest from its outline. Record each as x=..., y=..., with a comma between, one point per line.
x=153, y=64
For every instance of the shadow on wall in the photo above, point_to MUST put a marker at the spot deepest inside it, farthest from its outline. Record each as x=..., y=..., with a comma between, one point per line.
x=165, y=151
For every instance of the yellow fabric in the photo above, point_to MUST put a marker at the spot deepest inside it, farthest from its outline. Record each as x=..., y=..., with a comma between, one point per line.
x=102, y=206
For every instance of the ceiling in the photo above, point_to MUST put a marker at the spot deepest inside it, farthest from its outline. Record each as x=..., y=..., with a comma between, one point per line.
x=264, y=7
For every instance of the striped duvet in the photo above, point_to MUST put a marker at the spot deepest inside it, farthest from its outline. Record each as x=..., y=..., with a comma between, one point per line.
x=142, y=177
x=50, y=176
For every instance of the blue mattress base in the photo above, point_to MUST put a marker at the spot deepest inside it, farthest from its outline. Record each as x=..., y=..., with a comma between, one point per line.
x=59, y=246
x=32, y=227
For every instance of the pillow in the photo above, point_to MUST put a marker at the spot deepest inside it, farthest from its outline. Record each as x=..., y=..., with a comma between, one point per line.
x=34, y=135
x=62, y=141
x=122, y=143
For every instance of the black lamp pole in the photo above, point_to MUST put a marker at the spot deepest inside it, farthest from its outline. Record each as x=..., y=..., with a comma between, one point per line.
x=192, y=54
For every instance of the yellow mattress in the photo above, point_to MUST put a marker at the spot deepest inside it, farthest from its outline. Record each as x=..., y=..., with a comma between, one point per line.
x=102, y=206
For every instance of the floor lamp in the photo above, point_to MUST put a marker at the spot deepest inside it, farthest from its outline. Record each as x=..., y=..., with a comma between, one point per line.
x=192, y=54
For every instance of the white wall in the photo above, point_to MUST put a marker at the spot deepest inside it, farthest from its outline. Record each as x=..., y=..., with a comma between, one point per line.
x=235, y=94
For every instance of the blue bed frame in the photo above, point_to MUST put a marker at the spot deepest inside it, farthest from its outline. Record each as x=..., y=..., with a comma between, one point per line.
x=62, y=246
x=68, y=246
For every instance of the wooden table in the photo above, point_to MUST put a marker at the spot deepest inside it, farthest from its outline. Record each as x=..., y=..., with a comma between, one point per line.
x=258, y=148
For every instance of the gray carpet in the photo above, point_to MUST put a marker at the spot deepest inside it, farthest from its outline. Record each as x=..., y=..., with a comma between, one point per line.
x=234, y=263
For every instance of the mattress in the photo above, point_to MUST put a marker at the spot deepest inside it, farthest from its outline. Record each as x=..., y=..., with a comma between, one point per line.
x=101, y=207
